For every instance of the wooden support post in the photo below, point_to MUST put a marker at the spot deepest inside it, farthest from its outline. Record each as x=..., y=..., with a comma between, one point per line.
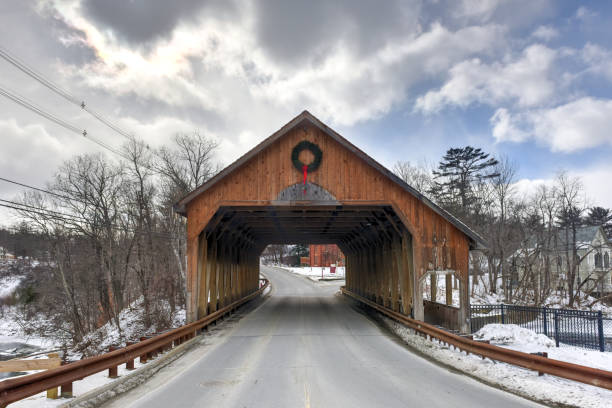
x=214, y=277
x=400, y=273
x=387, y=266
x=202, y=284
x=395, y=275
x=417, y=296
x=433, y=286
x=407, y=273
x=381, y=273
x=223, y=277
x=449, y=289
x=52, y=393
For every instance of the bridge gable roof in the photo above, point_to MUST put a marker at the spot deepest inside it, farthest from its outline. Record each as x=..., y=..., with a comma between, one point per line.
x=306, y=117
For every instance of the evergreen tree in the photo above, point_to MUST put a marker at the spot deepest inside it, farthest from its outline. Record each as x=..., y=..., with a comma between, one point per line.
x=599, y=216
x=459, y=171
x=300, y=250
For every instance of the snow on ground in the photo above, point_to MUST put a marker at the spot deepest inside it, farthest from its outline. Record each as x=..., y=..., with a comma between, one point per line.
x=12, y=331
x=518, y=338
x=547, y=389
x=8, y=285
x=317, y=273
x=131, y=327
x=78, y=388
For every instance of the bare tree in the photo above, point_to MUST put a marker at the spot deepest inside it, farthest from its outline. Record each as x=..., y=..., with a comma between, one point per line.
x=183, y=167
x=418, y=177
x=571, y=206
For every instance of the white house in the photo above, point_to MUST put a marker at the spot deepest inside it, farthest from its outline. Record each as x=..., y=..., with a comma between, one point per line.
x=594, y=252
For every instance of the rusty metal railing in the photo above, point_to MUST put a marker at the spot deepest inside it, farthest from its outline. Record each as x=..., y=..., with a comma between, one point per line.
x=587, y=375
x=22, y=387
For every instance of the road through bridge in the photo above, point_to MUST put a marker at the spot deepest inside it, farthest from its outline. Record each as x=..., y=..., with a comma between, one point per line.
x=306, y=346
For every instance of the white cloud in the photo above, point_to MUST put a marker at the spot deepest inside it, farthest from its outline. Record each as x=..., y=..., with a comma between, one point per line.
x=220, y=67
x=598, y=60
x=577, y=125
x=594, y=179
x=597, y=186
x=505, y=127
x=584, y=13
x=545, y=33
x=482, y=9
x=524, y=80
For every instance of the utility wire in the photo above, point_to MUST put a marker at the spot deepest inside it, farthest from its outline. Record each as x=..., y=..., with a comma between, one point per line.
x=39, y=111
x=62, y=92
x=42, y=190
x=35, y=188
x=71, y=219
x=37, y=76
x=42, y=209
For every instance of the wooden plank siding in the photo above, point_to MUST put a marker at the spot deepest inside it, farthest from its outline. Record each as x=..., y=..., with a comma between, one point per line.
x=352, y=181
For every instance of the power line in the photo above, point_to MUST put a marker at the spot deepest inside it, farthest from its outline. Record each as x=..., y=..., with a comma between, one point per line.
x=39, y=111
x=80, y=218
x=35, y=188
x=71, y=219
x=62, y=92
x=37, y=76
x=42, y=209
x=38, y=212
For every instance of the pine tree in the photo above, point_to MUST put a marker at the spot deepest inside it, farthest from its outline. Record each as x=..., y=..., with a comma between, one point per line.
x=458, y=171
x=599, y=216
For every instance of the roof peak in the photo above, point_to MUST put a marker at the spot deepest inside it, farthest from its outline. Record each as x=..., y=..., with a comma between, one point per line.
x=180, y=206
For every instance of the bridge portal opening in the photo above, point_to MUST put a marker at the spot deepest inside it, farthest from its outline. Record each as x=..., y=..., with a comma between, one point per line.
x=376, y=243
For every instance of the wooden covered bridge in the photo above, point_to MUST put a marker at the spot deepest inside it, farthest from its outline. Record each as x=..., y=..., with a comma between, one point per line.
x=307, y=184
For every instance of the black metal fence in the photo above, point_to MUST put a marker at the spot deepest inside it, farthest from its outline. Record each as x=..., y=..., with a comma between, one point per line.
x=590, y=330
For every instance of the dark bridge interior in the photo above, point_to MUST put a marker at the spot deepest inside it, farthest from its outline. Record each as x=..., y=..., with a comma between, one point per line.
x=348, y=226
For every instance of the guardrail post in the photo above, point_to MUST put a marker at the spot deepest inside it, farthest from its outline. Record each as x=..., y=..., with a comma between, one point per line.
x=503, y=318
x=600, y=332
x=143, y=357
x=129, y=365
x=66, y=390
x=545, y=320
x=112, y=371
x=556, y=316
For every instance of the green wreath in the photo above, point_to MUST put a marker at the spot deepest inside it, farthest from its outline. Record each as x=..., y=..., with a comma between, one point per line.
x=314, y=149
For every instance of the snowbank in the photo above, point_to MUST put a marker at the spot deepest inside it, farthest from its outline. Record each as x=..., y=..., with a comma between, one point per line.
x=547, y=389
x=317, y=273
x=517, y=338
x=511, y=334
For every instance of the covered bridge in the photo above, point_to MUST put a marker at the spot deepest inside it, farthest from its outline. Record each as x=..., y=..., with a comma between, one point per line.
x=307, y=184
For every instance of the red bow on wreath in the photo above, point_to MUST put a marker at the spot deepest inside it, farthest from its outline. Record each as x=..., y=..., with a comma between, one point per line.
x=305, y=171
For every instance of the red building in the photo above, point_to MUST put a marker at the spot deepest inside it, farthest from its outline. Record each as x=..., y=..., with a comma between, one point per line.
x=325, y=255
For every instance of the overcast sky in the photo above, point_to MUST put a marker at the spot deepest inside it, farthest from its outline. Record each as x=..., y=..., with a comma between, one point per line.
x=403, y=80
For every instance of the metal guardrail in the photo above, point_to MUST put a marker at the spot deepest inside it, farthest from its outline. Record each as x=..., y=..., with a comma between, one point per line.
x=587, y=375
x=22, y=387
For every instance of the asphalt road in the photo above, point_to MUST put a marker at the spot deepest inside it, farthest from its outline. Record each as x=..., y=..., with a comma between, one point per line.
x=307, y=347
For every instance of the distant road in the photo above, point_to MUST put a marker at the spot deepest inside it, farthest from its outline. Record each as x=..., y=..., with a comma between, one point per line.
x=307, y=347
